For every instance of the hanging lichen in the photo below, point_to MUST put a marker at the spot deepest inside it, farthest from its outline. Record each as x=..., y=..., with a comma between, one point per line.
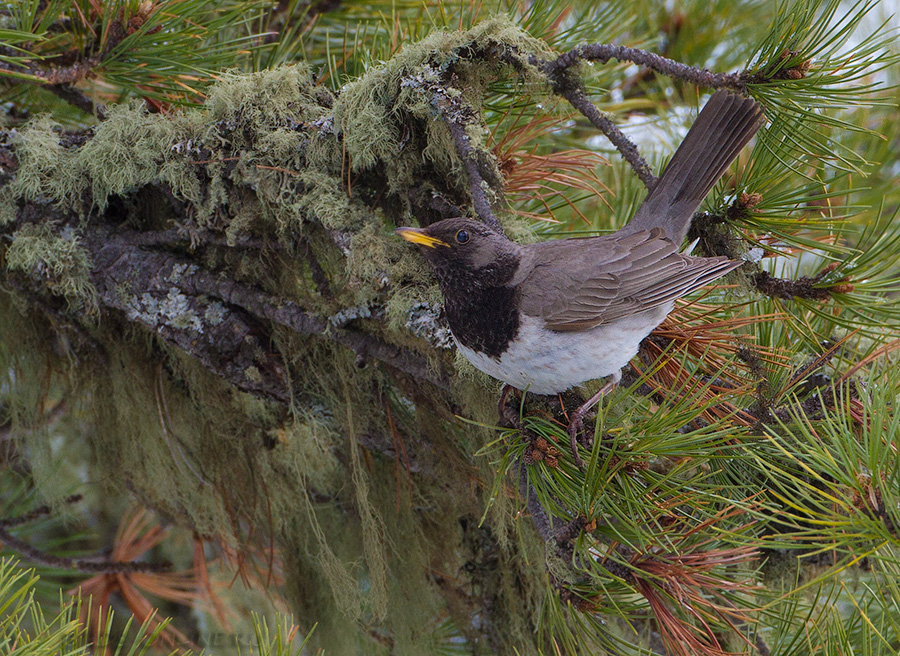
x=289, y=175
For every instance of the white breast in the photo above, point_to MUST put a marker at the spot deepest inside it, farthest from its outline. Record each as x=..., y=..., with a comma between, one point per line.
x=546, y=362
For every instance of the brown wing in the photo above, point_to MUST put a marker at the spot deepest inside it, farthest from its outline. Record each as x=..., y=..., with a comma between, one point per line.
x=577, y=284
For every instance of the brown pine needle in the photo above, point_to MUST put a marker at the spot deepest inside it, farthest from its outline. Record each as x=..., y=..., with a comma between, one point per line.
x=682, y=588
x=138, y=533
x=530, y=176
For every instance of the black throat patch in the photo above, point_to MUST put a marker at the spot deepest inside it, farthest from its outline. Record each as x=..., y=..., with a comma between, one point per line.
x=483, y=312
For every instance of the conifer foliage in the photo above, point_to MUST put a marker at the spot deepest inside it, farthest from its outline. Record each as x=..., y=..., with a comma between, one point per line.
x=225, y=385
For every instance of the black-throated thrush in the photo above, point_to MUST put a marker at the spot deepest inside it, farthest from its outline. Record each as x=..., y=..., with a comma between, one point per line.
x=545, y=317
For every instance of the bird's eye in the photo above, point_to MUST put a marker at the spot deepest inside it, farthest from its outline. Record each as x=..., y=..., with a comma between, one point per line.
x=462, y=237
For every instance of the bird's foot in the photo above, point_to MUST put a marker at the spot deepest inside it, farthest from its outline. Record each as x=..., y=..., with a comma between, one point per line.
x=509, y=416
x=576, y=423
x=576, y=419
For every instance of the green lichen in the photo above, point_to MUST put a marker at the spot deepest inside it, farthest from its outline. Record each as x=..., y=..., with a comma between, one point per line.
x=370, y=110
x=252, y=374
x=52, y=254
x=214, y=314
x=8, y=209
x=127, y=152
x=373, y=113
x=47, y=170
x=269, y=99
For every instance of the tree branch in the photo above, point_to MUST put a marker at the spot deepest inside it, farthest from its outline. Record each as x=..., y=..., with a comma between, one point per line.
x=803, y=287
x=77, y=98
x=565, y=85
x=31, y=515
x=603, y=52
x=206, y=315
x=87, y=566
x=568, y=89
x=455, y=115
x=540, y=519
x=479, y=198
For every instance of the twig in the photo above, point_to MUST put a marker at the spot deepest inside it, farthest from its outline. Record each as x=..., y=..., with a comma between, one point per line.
x=603, y=52
x=455, y=114
x=567, y=86
x=570, y=530
x=32, y=515
x=479, y=198
x=569, y=90
x=539, y=517
x=88, y=566
x=803, y=287
x=60, y=79
x=77, y=98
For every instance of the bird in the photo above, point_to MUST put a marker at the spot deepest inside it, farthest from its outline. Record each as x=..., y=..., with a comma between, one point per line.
x=545, y=317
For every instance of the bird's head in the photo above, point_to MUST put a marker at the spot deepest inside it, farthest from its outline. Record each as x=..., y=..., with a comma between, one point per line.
x=463, y=248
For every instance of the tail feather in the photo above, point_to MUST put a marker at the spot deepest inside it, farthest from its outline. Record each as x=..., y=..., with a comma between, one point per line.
x=722, y=129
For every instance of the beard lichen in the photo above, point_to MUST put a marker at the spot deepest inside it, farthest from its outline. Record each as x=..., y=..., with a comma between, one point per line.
x=52, y=254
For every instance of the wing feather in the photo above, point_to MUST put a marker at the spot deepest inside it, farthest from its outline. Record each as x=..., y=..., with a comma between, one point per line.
x=577, y=284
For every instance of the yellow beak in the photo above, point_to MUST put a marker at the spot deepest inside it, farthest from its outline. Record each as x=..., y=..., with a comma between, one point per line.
x=420, y=237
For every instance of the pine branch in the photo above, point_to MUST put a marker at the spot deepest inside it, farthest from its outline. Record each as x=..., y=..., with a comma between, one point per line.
x=569, y=90
x=676, y=70
x=222, y=343
x=77, y=98
x=542, y=523
x=81, y=565
x=804, y=287
x=476, y=182
x=31, y=515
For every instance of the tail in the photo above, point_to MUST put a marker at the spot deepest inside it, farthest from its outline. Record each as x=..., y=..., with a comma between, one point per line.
x=722, y=129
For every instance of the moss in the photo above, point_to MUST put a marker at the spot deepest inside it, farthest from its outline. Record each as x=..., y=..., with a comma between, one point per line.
x=126, y=151
x=370, y=110
x=326, y=201
x=373, y=114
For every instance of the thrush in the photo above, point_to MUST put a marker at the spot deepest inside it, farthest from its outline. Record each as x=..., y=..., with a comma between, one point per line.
x=545, y=317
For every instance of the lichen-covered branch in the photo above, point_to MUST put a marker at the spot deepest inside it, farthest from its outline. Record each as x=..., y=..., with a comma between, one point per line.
x=207, y=315
x=235, y=268
x=148, y=287
x=804, y=287
x=476, y=182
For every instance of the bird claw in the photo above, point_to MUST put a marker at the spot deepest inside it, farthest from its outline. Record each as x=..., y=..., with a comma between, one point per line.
x=576, y=419
x=575, y=426
x=509, y=417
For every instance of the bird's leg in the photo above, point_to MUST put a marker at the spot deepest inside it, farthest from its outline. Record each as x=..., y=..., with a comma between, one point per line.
x=508, y=416
x=576, y=419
